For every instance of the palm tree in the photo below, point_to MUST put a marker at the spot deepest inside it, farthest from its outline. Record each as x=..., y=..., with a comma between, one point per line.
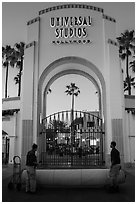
x=132, y=79
x=8, y=58
x=132, y=83
x=126, y=46
x=72, y=90
x=19, y=54
x=58, y=125
x=132, y=65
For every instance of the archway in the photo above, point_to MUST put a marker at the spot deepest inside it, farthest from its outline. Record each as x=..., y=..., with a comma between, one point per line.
x=69, y=73
x=66, y=66
x=71, y=65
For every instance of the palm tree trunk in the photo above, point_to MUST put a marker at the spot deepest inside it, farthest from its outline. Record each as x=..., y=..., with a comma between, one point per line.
x=72, y=118
x=72, y=129
x=19, y=82
x=72, y=107
x=6, y=81
x=21, y=67
x=128, y=80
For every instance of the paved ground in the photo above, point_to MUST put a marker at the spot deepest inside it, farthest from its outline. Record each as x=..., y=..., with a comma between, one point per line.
x=126, y=194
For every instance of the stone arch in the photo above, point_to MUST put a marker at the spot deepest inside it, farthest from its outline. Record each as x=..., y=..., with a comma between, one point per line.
x=97, y=79
x=66, y=72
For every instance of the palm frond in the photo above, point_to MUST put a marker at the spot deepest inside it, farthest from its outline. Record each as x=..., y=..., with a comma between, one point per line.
x=132, y=65
x=5, y=63
x=126, y=89
x=67, y=86
x=123, y=56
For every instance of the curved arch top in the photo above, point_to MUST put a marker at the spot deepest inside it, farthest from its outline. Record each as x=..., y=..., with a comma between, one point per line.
x=72, y=59
x=66, y=72
x=67, y=6
x=100, y=84
x=71, y=71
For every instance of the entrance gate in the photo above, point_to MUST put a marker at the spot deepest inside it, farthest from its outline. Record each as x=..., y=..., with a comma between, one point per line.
x=72, y=139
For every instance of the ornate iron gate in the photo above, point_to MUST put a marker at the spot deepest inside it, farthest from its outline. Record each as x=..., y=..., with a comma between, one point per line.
x=72, y=140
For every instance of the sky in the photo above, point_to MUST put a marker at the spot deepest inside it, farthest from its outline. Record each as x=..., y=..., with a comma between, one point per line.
x=14, y=29
x=63, y=101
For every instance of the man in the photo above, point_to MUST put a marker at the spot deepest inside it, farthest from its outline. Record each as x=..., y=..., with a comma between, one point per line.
x=31, y=163
x=115, y=167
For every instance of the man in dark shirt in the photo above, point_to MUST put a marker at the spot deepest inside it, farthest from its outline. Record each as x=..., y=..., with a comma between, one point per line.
x=115, y=166
x=31, y=163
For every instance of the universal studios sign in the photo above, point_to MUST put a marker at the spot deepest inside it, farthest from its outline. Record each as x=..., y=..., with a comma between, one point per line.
x=71, y=30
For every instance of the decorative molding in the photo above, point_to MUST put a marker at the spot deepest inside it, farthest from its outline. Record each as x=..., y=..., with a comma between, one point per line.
x=131, y=136
x=132, y=110
x=33, y=20
x=9, y=112
x=30, y=44
x=129, y=102
x=112, y=42
x=11, y=99
x=109, y=18
x=67, y=6
x=129, y=96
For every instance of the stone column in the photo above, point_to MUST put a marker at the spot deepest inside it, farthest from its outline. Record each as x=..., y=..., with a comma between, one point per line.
x=115, y=102
x=27, y=99
x=29, y=96
x=114, y=128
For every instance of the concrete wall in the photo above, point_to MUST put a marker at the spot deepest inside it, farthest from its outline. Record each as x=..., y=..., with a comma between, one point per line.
x=11, y=103
x=11, y=124
x=58, y=51
x=129, y=139
x=74, y=177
